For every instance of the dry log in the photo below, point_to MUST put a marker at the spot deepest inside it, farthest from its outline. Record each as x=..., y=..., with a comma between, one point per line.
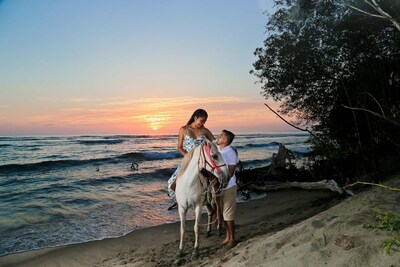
x=281, y=166
x=324, y=184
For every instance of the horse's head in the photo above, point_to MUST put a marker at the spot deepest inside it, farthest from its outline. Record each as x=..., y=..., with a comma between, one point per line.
x=212, y=161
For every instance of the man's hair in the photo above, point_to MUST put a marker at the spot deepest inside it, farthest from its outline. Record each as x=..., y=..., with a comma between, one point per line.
x=229, y=135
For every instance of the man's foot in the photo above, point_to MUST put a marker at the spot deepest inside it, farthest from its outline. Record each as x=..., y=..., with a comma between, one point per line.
x=173, y=206
x=231, y=244
x=226, y=241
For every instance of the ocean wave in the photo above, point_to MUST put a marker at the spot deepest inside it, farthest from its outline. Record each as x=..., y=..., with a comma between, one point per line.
x=19, y=138
x=40, y=166
x=301, y=154
x=4, y=145
x=273, y=135
x=159, y=174
x=159, y=137
x=49, y=165
x=101, y=142
x=150, y=155
x=262, y=144
x=42, y=191
x=256, y=163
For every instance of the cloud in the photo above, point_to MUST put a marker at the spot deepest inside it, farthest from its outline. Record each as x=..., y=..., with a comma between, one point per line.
x=164, y=115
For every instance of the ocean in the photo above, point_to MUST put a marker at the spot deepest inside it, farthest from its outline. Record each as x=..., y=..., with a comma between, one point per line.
x=58, y=190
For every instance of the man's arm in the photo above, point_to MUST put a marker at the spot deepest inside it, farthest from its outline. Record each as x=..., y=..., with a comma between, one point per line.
x=232, y=169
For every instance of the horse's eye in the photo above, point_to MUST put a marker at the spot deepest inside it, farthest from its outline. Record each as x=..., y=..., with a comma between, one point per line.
x=215, y=156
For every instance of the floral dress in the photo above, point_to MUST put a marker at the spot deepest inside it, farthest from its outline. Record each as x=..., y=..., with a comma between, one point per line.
x=188, y=144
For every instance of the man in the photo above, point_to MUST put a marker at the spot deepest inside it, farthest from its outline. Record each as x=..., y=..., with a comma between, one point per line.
x=228, y=197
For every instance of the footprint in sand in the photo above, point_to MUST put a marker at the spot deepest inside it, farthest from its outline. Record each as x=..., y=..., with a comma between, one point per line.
x=317, y=224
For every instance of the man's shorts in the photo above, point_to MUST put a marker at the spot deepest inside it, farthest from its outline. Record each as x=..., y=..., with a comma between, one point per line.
x=229, y=203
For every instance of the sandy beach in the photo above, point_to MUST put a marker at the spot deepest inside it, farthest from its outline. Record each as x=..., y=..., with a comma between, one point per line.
x=286, y=228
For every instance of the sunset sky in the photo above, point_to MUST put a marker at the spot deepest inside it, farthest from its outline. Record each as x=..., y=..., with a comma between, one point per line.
x=130, y=66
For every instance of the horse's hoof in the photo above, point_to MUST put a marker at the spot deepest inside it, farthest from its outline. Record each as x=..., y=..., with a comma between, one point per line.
x=180, y=253
x=195, y=254
x=180, y=262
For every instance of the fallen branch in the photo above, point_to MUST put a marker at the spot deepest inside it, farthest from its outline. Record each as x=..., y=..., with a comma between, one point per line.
x=324, y=184
x=379, y=185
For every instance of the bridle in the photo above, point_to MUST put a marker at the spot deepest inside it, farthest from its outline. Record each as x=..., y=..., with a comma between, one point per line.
x=207, y=163
x=207, y=160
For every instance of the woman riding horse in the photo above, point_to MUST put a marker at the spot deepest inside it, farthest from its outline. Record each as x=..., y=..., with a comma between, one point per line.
x=190, y=136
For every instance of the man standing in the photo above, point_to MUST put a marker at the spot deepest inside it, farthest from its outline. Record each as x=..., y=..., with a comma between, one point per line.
x=228, y=197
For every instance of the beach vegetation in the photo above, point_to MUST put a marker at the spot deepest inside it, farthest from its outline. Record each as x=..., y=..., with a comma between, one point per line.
x=335, y=68
x=387, y=220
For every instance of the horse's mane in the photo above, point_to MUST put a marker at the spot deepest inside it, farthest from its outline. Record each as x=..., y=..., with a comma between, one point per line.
x=185, y=163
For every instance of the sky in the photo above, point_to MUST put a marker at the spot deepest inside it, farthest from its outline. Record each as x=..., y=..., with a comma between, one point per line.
x=131, y=66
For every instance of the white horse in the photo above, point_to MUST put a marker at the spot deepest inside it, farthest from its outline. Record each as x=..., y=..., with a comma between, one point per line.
x=193, y=183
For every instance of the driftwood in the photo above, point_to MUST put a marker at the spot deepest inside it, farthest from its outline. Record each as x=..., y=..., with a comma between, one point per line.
x=281, y=166
x=281, y=160
x=324, y=184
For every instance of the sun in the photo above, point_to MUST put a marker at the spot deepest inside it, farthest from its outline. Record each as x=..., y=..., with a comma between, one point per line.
x=156, y=121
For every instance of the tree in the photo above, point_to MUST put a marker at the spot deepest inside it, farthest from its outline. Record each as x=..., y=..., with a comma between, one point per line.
x=322, y=57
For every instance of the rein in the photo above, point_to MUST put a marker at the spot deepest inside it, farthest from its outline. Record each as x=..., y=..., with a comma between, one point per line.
x=212, y=186
x=211, y=195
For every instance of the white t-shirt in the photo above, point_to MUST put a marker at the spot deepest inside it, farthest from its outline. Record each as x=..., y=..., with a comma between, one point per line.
x=230, y=158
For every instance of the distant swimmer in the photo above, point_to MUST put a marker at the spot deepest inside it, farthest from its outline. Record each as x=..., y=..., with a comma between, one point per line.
x=135, y=166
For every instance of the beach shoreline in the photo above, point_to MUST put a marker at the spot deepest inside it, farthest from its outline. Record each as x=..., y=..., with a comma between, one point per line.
x=283, y=206
x=286, y=228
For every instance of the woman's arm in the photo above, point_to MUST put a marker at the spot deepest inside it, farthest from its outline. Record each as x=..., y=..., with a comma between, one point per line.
x=182, y=133
x=208, y=134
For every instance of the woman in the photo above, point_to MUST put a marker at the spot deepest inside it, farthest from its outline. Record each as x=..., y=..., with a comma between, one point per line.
x=190, y=136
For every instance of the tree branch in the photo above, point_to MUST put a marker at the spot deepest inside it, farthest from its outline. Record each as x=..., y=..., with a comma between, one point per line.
x=376, y=101
x=384, y=15
x=294, y=126
x=373, y=113
x=389, y=17
x=367, y=13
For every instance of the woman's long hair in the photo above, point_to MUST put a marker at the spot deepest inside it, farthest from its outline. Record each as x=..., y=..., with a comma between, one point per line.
x=199, y=113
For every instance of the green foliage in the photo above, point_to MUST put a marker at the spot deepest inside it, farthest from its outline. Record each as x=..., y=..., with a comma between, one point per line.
x=386, y=220
x=392, y=245
x=321, y=59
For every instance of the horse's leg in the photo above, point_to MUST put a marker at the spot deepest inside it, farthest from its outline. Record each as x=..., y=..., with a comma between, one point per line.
x=182, y=216
x=196, y=230
x=219, y=214
x=210, y=213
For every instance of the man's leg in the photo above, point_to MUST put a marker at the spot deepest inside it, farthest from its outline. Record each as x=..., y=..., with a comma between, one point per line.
x=230, y=232
x=229, y=210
